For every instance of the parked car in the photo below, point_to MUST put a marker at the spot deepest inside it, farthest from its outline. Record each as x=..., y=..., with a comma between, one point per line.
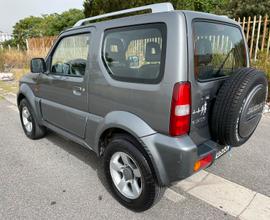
x=158, y=96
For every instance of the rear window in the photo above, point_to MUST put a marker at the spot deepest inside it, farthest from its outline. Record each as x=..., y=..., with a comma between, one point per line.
x=136, y=53
x=218, y=50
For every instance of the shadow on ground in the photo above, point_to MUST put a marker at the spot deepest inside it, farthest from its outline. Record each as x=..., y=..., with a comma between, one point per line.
x=87, y=156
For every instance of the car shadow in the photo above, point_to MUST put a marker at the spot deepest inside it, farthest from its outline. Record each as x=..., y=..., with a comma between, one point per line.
x=85, y=155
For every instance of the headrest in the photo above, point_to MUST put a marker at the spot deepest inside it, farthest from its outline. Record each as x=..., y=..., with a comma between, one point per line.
x=115, y=51
x=203, y=48
x=152, y=52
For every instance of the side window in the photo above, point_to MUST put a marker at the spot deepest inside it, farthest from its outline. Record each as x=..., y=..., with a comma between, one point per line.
x=218, y=50
x=135, y=54
x=70, y=56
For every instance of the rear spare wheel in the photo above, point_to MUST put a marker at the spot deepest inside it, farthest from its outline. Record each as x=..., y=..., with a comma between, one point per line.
x=239, y=106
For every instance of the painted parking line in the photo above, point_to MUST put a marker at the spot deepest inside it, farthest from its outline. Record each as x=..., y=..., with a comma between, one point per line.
x=227, y=196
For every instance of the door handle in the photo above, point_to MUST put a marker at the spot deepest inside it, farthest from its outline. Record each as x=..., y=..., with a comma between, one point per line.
x=77, y=90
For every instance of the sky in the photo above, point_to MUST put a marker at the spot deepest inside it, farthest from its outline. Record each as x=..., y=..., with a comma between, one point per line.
x=12, y=11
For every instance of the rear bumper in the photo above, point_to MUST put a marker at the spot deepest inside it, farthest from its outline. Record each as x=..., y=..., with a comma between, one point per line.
x=173, y=158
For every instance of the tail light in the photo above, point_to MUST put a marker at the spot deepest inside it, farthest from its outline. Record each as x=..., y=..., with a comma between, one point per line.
x=203, y=163
x=180, y=109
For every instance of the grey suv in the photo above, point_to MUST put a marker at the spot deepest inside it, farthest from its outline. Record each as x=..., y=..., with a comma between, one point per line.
x=158, y=96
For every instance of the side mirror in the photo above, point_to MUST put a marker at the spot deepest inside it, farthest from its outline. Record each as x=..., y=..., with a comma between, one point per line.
x=38, y=65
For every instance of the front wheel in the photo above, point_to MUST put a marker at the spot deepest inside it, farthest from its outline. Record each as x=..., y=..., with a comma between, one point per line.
x=129, y=174
x=29, y=121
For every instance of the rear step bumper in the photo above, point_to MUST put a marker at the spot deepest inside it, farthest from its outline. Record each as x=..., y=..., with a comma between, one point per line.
x=173, y=158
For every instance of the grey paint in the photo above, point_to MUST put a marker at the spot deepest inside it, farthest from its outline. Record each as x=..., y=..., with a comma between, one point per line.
x=172, y=158
x=142, y=110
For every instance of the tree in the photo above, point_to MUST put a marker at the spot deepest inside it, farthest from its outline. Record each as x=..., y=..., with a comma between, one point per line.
x=46, y=25
x=243, y=8
x=96, y=7
x=55, y=23
x=26, y=28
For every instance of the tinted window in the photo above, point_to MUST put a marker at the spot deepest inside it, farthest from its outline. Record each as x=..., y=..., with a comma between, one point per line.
x=218, y=50
x=135, y=54
x=70, y=56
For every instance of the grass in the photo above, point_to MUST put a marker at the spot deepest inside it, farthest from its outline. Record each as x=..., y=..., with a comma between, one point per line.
x=16, y=62
x=7, y=87
x=12, y=86
x=263, y=63
x=14, y=59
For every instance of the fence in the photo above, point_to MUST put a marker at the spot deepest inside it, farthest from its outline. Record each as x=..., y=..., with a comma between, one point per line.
x=257, y=34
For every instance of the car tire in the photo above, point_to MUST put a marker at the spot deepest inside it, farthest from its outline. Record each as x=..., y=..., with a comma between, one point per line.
x=238, y=107
x=150, y=191
x=29, y=121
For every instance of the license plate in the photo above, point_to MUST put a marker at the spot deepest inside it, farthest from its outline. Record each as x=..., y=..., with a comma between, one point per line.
x=222, y=151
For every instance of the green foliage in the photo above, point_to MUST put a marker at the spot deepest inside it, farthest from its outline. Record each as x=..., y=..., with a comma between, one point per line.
x=26, y=28
x=241, y=8
x=11, y=43
x=55, y=23
x=263, y=63
x=96, y=7
x=47, y=25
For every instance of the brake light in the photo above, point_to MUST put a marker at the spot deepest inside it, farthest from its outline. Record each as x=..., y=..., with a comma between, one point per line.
x=180, y=109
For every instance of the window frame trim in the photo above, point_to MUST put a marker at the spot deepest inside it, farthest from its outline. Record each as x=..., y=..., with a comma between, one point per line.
x=205, y=20
x=52, y=52
x=162, y=26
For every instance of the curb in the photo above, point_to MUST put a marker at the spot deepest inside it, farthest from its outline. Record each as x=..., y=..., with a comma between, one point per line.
x=229, y=197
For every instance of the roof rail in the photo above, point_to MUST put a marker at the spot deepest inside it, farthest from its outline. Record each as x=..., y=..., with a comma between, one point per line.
x=161, y=7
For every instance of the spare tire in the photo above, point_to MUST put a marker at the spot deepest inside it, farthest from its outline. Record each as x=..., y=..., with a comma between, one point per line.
x=238, y=107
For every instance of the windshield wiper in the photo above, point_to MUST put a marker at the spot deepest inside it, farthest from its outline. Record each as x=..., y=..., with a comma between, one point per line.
x=223, y=63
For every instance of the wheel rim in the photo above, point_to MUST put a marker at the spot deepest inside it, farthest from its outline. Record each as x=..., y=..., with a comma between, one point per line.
x=27, y=119
x=126, y=175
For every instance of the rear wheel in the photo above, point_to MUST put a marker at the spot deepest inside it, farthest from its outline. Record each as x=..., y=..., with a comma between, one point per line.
x=29, y=121
x=129, y=174
x=239, y=106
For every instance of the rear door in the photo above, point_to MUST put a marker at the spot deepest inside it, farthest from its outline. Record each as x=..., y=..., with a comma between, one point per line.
x=218, y=48
x=63, y=89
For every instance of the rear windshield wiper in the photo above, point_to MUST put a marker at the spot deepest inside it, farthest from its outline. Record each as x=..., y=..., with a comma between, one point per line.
x=223, y=63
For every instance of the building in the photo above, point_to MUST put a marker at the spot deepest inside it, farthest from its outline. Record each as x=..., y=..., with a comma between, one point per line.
x=4, y=37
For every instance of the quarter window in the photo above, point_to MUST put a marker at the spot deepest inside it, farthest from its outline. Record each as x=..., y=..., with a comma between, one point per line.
x=135, y=54
x=70, y=56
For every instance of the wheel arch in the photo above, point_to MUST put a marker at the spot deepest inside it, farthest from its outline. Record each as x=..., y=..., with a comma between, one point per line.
x=131, y=125
x=111, y=132
x=25, y=92
x=20, y=97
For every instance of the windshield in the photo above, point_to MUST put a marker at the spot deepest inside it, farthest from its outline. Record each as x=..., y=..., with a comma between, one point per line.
x=218, y=50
